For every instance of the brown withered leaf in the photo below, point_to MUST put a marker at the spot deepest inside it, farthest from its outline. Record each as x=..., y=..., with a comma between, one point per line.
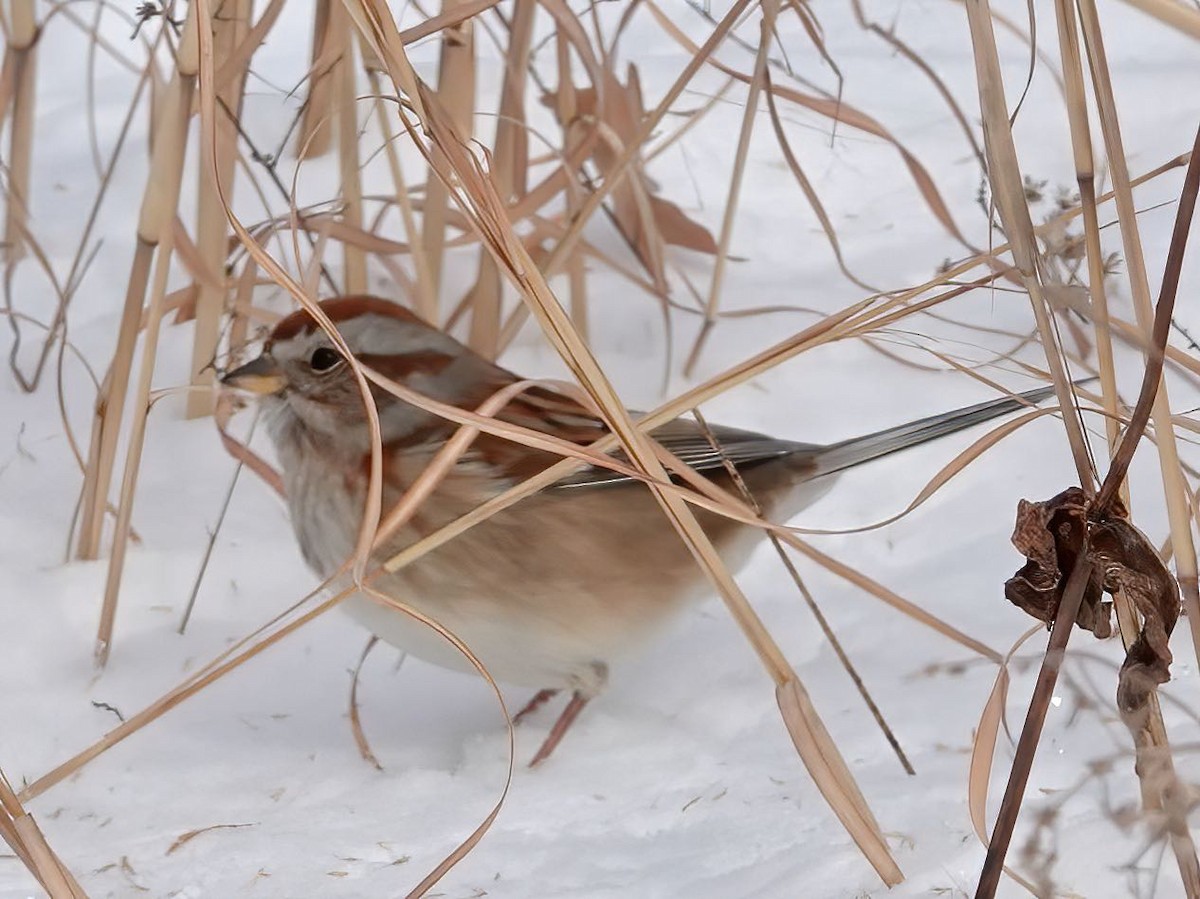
x=1132, y=566
x=623, y=112
x=680, y=231
x=1051, y=535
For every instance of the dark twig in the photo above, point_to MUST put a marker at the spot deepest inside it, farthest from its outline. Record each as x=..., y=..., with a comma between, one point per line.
x=1035, y=718
x=268, y=161
x=212, y=536
x=822, y=621
x=1162, y=327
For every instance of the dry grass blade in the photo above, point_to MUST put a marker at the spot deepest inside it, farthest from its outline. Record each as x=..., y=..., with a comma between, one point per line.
x=155, y=228
x=769, y=10
x=891, y=598
x=1175, y=490
x=20, y=76
x=25, y=838
x=822, y=621
x=810, y=192
x=315, y=131
x=184, y=838
x=425, y=298
x=231, y=24
x=837, y=111
x=360, y=737
x=349, y=167
x=154, y=221
x=1178, y=15
x=1009, y=195
x=833, y=778
x=456, y=84
x=888, y=35
x=487, y=214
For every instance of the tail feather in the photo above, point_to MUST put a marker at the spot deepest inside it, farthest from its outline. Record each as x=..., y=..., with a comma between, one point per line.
x=849, y=453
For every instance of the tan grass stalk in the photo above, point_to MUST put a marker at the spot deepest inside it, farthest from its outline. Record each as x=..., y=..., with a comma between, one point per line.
x=1179, y=16
x=155, y=232
x=567, y=107
x=1127, y=617
x=769, y=10
x=1175, y=489
x=346, y=112
x=1155, y=764
x=315, y=128
x=20, y=72
x=424, y=296
x=456, y=88
x=510, y=153
x=133, y=455
x=236, y=61
x=229, y=31
x=1009, y=195
x=82, y=256
x=27, y=841
x=155, y=218
x=510, y=170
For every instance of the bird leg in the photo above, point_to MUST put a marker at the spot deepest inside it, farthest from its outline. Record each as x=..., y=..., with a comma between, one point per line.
x=540, y=698
x=565, y=720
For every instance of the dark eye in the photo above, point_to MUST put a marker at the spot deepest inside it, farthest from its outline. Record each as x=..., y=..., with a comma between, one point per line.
x=323, y=359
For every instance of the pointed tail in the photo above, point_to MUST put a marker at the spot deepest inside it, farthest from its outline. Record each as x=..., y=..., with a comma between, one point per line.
x=840, y=456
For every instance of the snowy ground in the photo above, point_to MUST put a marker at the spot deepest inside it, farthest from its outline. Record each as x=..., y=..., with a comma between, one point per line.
x=680, y=781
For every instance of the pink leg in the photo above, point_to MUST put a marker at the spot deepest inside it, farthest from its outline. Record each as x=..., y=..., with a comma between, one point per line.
x=565, y=720
x=540, y=698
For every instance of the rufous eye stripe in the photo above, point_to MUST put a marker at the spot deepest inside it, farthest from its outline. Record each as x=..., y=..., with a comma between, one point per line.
x=401, y=365
x=340, y=309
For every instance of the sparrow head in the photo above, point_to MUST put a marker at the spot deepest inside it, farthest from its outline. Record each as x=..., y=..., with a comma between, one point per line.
x=303, y=380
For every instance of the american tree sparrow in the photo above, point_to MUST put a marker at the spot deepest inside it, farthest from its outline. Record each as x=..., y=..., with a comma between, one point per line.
x=550, y=591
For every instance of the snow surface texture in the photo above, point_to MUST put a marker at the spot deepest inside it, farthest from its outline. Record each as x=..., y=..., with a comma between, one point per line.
x=680, y=781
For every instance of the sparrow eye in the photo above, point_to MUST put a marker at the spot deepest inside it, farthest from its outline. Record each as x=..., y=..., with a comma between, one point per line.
x=323, y=359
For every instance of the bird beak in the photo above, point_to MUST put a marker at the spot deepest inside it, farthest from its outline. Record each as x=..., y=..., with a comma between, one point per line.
x=261, y=376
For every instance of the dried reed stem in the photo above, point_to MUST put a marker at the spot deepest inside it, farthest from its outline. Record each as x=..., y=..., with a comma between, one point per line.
x=424, y=296
x=1081, y=142
x=1175, y=489
x=230, y=26
x=20, y=71
x=1009, y=195
x=1178, y=15
x=155, y=233
x=27, y=841
x=346, y=113
x=769, y=10
x=157, y=213
x=316, y=122
x=510, y=169
x=456, y=88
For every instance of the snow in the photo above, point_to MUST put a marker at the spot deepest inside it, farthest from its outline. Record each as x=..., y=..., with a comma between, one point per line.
x=680, y=780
